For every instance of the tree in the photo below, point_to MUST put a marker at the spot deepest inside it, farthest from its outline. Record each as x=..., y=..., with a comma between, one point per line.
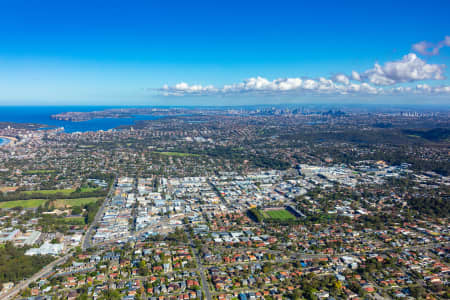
x=297, y=294
x=76, y=210
x=417, y=291
x=112, y=295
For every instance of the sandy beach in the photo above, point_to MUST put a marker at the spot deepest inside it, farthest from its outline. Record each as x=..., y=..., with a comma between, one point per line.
x=5, y=140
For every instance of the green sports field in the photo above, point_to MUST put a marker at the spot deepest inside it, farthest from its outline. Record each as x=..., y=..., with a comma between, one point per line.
x=36, y=172
x=176, y=154
x=32, y=203
x=59, y=203
x=279, y=214
x=63, y=192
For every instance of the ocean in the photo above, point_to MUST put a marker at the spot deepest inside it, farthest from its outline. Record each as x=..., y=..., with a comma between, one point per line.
x=41, y=115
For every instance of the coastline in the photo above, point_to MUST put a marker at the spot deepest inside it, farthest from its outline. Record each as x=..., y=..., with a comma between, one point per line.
x=6, y=140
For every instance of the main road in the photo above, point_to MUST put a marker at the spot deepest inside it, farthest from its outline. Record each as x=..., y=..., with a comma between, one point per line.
x=86, y=240
x=200, y=268
x=24, y=283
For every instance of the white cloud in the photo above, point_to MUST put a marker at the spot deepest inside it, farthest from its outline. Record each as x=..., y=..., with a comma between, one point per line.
x=342, y=78
x=433, y=89
x=183, y=88
x=260, y=84
x=367, y=88
x=401, y=90
x=442, y=89
x=290, y=84
x=377, y=76
x=310, y=84
x=409, y=68
x=428, y=48
x=424, y=87
x=356, y=76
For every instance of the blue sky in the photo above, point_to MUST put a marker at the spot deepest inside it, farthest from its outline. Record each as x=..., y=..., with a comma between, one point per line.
x=187, y=52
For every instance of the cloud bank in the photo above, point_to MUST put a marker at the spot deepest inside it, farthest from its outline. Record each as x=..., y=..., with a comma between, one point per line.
x=379, y=80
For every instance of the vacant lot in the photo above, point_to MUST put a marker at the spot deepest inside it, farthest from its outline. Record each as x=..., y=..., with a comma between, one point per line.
x=61, y=203
x=74, y=220
x=279, y=214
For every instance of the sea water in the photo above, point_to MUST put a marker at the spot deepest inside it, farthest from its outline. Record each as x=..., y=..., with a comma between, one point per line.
x=41, y=115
